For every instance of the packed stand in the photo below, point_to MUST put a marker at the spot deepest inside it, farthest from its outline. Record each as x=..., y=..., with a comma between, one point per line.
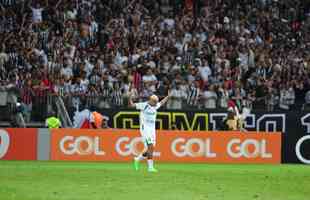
x=206, y=52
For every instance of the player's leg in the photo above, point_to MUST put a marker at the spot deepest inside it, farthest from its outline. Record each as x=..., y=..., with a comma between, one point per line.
x=150, y=161
x=139, y=158
x=143, y=155
x=151, y=141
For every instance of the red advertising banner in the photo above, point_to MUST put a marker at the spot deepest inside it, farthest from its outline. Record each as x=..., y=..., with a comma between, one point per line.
x=171, y=146
x=18, y=144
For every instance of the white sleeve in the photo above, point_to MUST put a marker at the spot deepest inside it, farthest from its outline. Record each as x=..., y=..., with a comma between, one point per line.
x=158, y=106
x=140, y=106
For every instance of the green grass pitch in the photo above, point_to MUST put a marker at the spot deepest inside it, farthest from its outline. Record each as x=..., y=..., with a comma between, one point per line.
x=23, y=180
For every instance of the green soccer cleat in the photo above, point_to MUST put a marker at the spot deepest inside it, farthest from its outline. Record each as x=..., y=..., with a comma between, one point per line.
x=136, y=164
x=152, y=170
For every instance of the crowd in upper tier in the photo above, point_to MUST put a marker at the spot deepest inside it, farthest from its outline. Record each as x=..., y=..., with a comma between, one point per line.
x=206, y=52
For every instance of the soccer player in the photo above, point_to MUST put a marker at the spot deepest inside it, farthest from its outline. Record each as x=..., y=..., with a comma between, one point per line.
x=148, y=111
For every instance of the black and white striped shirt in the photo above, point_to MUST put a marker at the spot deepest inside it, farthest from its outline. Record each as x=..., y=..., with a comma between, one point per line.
x=193, y=96
x=13, y=59
x=8, y=3
x=60, y=89
x=105, y=92
x=117, y=98
x=92, y=97
x=43, y=37
x=188, y=57
x=7, y=24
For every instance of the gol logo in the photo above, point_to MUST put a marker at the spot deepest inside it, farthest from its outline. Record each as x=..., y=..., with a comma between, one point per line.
x=126, y=146
x=81, y=145
x=194, y=147
x=249, y=148
x=4, y=143
x=298, y=149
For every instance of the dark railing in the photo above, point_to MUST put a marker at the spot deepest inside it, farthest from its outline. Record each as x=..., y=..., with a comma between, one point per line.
x=67, y=105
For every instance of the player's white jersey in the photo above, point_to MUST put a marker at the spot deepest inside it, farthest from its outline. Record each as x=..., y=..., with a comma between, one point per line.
x=147, y=114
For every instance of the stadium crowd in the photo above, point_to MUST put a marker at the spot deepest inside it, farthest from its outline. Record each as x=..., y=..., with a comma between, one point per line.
x=206, y=52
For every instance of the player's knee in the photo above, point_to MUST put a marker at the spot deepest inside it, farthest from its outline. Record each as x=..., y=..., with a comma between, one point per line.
x=149, y=156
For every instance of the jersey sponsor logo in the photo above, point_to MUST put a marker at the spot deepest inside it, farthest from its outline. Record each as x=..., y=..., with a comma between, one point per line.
x=4, y=143
x=149, y=112
x=150, y=121
x=82, y=145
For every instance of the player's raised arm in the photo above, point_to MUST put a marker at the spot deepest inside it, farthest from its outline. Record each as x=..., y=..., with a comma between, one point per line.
x=164, y=100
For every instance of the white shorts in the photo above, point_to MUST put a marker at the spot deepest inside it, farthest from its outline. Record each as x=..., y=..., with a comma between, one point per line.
x=148, y=135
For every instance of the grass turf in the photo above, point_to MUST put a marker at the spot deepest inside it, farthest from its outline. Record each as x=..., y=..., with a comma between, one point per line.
x=23, y=180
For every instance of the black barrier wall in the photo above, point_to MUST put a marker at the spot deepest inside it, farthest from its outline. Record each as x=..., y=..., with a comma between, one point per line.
x=295, y=126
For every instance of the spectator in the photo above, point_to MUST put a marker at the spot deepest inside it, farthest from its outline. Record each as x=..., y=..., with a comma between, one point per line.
x=36, y=12
x=150, y=80
x=239, y=96
x=91, y=95
x=59, y=88
x=193, y=94
x=117, y=95
x=210, y=97
x=27, y=99
x=176, y=98
x=287, y=97
x=66, y=71
x=78, y=90
x=83, y=118
x=272, y=99
x=82, y=43
x=3, y=59
x=105, y=95
x=205, y=71
x=52, y=121
x=224, y=96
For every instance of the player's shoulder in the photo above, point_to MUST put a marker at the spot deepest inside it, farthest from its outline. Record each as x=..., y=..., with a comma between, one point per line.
x=141, y=105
